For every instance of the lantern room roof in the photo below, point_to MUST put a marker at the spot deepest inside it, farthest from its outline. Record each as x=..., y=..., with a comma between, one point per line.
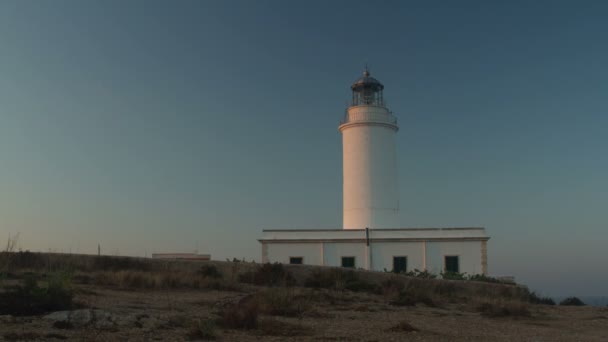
x=366, y=81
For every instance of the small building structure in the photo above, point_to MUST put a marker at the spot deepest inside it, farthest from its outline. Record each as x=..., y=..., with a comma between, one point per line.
x=182, y=256
x=371, y=237
x=436, y=250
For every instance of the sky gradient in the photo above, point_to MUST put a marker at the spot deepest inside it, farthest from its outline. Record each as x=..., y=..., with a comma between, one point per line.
x=156, y=126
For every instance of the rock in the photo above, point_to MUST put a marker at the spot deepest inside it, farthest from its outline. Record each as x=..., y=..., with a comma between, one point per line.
x=81, y=318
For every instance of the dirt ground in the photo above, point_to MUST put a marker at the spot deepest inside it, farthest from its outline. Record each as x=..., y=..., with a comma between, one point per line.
x=167, y=315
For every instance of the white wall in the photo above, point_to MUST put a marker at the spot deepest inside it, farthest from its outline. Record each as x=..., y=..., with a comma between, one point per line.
x=334, y=251
x=383, y=253
x=469, y=253
x=370, y=197
x=280, y=252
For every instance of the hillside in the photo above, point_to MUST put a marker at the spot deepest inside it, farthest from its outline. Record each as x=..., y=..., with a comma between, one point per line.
x=80, y=297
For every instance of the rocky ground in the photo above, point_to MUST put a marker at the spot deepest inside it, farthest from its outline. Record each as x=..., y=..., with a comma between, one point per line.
x=121, y=315
x=128, y=299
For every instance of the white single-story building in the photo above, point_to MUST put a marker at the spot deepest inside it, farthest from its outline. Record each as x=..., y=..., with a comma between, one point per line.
x=433, y=249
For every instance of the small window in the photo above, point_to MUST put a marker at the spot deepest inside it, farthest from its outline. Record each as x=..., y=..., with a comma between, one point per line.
x=452, y=264
x=348, y=262
x=399, y=264
x=296, y=260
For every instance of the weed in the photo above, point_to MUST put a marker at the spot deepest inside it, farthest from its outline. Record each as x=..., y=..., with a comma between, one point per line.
x=269, y=275
x=203, y=329
x=503, y=309
x=31, y=299
x=210, y=271
x=404, y=326
x=242, y=315
x=416, y=273
x=338, y=279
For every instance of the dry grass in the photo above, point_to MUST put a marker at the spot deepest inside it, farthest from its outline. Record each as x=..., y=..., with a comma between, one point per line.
x=501, y=308
x=133, y=280
x=403, y=326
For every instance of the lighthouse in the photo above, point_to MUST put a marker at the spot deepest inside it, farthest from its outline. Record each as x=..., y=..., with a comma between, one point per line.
x=370, y=188
x=371, y=200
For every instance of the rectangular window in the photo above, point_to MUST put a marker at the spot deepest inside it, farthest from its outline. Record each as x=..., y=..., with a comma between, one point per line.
x=348, y=262
x=399, y=264
x=452, y=264
x=296, y=260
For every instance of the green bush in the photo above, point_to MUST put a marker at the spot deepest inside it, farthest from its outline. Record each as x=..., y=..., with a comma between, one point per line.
x=421, y=274
x=572, y=301
x=483, y=278
x=31, y=299
x=453, y=276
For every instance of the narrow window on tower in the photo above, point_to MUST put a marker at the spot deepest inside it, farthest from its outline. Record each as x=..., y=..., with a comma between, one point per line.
x=348, y=262
x=452, y=264
x=296, y=260
x=399, y=264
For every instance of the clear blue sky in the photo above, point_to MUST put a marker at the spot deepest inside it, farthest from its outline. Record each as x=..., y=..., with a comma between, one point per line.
x=162, y=125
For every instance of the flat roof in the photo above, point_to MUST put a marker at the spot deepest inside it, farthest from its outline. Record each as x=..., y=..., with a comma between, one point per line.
x=378, y=235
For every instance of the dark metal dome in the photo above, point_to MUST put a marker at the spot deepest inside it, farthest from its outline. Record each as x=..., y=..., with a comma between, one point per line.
x=367, y=82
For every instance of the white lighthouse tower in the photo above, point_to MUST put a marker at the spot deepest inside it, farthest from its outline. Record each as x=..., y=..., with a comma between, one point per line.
x=371, y=195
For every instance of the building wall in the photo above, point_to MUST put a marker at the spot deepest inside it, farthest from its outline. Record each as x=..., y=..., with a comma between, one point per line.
x=334, y=251
x=420, y=254
x=280, y=252
x=469, y=253
x=383, y=253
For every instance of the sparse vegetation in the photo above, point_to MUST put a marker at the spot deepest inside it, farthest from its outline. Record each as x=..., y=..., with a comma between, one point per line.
x=268, y=275
x=404, y=326
x=495, y=309
x=30, y=298
x=416, y=273
x=242, y=315
x=203, y=329
x=572, y=301
x=338, y=279
x=274, y=327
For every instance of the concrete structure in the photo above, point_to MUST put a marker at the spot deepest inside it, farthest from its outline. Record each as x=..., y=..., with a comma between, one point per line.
x=371, y=197
x=381, y=249
x=182, y=256
x=371, y=238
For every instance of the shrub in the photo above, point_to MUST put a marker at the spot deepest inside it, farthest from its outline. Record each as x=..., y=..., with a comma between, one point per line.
x=113, y=263
x=283, y=302
x=210, y=271
x=31, y=299
x=536, y=299
x=503, y=309
x=572, y=301
x=404, y=326
x=453, y=276
x=203, y=329
x=338, y=279
x=421, y=274
x=269, y=275
x=483, y=278
x=242, y=315
x=413, y=296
